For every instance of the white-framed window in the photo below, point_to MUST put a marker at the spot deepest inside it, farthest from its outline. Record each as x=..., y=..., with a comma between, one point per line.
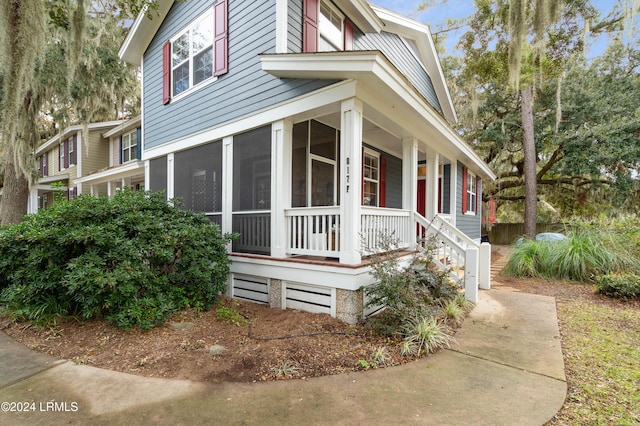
x=371, y=178
x=129, y=146
x=331, y=26
x=61, y=158
x=192, y=55
x=72, y=157
x=471, y=192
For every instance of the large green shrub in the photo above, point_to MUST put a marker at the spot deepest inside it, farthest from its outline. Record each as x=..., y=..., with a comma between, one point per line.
x=132, y=259
x=410, y=291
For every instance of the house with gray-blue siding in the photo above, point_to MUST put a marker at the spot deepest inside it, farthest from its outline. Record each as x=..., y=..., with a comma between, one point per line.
x=311, y=128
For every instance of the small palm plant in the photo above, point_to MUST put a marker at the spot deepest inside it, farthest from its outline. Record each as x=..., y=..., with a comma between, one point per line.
x=425, y=335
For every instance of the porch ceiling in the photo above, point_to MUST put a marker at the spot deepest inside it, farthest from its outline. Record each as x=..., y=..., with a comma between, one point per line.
x=393, y=109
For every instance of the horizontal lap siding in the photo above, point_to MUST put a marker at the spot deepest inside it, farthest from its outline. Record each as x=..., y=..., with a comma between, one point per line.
x=95, y=154
x=243, y=90
x=395, y=49
x=294, y=27
x=469, y=224
x=393, y=179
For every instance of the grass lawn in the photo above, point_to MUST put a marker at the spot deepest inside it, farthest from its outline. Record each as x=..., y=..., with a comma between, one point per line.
x=601, y=345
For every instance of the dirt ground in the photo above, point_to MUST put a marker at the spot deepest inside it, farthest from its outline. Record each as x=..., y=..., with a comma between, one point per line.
x=261, y=344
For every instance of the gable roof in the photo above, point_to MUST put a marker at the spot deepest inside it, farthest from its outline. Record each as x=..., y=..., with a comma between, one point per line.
x=426, y=53
x=74, y=129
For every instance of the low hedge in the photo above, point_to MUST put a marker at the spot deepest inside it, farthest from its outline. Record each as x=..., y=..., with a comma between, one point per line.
x=624, y=286
x=132, y=259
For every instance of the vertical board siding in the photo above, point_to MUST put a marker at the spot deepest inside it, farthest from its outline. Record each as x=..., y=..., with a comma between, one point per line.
x=469, y=224
x=243, y=90
x=394, y=48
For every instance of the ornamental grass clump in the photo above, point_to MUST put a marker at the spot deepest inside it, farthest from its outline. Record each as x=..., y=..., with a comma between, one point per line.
x=133, y=259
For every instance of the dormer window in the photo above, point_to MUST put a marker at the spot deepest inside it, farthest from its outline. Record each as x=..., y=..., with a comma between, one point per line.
x=331, y=28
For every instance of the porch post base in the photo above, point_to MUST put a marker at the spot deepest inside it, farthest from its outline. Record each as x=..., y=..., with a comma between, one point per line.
x=275, y=294
x=349, y=305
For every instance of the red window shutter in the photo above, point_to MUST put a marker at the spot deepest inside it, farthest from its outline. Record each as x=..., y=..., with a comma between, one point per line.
x=220, y=39
x=310, y=32
x=348, y=35
x=166, y=72
x=66, y=154
x=477, y=195
x=465, y=200
x=74, y=156
x=383, y=181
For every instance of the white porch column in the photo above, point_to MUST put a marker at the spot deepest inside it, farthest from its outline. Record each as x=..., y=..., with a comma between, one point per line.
x=147, y=176
x=170, y=177
x=111, y=189
x=32, y=206
x=351, y=182
x=453, y=193
x=281, y=140
x=409, y=173
x=227, y=186
x=410, y=178
x=432, y=184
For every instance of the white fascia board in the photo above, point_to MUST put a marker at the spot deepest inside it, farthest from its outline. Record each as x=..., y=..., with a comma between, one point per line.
x=126, y=170
x=124, y=127
x=68, y=131
x=421, y=34
x=142, y=31
x=374, y=70
x=55, y=178
x=361, y=14
x=318, y=99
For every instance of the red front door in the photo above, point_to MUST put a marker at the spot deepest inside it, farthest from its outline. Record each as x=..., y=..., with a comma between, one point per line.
x=421, y=197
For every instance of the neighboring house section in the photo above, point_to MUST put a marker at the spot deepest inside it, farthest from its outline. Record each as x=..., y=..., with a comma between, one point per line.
x=310, y=128
x=124, y=168
x=66, y=157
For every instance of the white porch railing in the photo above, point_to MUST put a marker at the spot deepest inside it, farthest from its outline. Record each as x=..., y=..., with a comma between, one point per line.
x=465, y=259
x=315, y=231
x=377, y=223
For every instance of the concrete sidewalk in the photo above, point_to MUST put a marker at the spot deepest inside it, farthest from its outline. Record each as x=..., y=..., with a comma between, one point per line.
x=505, y=369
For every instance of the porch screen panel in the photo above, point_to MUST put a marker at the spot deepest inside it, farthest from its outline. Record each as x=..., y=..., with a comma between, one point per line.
x=299, y=165
x=198, y=178
x=158, y=175
x=252, y=191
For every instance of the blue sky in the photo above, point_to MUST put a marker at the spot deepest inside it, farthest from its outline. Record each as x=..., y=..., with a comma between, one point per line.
x=437, y=15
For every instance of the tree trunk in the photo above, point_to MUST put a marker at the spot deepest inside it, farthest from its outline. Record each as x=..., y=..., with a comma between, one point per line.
x=530, y=157
x=15, y=193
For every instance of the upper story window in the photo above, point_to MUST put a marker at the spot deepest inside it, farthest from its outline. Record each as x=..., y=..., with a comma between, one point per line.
x=67, y=153
x=43, y=165
x=129, y=148
x=325, y=28
x=331, y=28
x=197, y=54
x=192, y=55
